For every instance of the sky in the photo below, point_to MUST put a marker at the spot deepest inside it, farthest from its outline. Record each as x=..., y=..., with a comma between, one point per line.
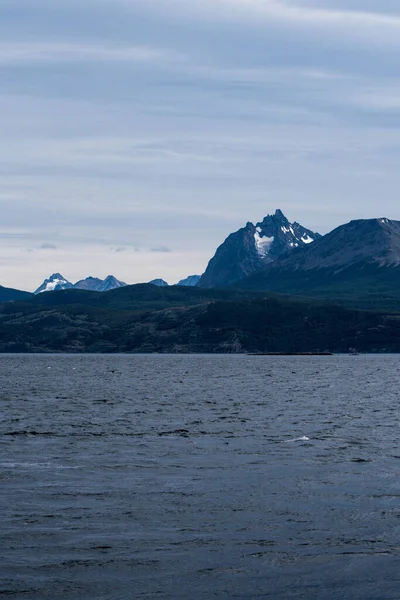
x=137, y=134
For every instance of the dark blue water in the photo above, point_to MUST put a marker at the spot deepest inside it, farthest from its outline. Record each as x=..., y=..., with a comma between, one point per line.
x=191, y=477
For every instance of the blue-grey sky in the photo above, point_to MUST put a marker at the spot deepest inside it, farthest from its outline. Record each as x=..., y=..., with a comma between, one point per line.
x=136, y=134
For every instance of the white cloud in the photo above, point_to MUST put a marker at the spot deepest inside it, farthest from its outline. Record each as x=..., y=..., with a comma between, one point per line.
x=14, y=53
x=342, y=21
x=303, y=12
x=384, y=7
x=364, y=12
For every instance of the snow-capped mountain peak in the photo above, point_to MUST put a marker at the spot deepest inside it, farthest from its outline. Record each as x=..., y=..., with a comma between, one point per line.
x=55, y=282
x=275, y=235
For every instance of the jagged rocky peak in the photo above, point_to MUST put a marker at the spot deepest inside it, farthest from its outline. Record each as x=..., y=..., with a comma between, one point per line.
x=55, y=282
x=253, y=247
x=356, y=254
x=159, y=283
x=190, y=281
x=275, y=235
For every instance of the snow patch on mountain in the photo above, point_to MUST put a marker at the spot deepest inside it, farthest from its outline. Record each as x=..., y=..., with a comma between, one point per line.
x=307, y=239
x=51, y=285
x=263, y=243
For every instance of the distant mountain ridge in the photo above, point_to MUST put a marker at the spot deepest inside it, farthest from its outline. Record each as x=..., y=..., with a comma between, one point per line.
x=159, y=283
x=57, y=282
x=252, y=247
x=89, y=283
x=190, y=281
x=99, y=285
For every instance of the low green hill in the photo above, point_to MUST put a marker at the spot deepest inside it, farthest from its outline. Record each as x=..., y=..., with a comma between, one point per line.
x=207, y=324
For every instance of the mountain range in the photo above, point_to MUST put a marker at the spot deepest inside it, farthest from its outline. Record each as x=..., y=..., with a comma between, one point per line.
x=310, y=294
x=358, y=261
x=190, y=281
x=57, y=282
x=242, y=254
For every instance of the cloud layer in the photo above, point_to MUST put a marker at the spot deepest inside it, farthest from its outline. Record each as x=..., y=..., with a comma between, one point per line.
x=163, y=126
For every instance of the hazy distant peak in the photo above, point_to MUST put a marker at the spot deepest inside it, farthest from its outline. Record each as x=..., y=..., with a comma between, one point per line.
x=55, y=282
x=190, y=281
x=159, y=282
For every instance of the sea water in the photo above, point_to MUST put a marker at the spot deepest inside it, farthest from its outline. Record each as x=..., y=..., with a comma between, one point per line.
x=197, y=477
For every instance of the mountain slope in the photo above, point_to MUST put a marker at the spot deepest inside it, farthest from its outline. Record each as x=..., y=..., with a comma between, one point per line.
x=249, y=249
x=190, y=281
x=110, y=283
x=9, y=294
x=357, y=262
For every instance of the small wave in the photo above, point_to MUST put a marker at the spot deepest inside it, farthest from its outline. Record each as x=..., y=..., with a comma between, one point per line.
x=300, y=439
x=29, y=465
x=25, y=465
x=25, y=432
x=182, y=432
